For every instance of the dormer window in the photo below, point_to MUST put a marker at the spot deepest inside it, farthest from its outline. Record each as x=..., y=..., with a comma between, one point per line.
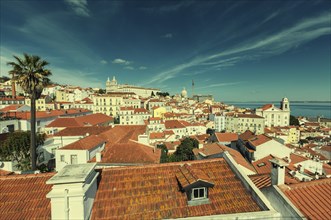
x=199, y=193
x=195, y=183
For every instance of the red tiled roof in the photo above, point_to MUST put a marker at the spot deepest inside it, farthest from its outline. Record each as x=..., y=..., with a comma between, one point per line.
x=261, y=180
x=267, y=106
x=64, y=122
x=172, y=145
x=187, y=175
x=24, y=196
x=216, y=148
x=130, y=152
x=152, y=192
x=127, y=108
x=295, y=158
x=156, y=135
x=260, y=139
x=154, y=118
x=138, y=110
x=86, y=120
x=82, y=131
x=171, y=124
x=123, y=133
x=226, y=137
x=11, y=108
x=311, y=198
x=5, y=172
x=86, y=143
x=246, y=135
x=327, y=169
x=263, y=165
x=48, y=114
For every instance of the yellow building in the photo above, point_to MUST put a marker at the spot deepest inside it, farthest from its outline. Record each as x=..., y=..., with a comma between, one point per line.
x=293, y=135
x=158, y=112
x=42, y=104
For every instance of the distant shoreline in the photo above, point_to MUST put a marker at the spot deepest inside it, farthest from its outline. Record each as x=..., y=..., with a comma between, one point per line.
x=275, y=102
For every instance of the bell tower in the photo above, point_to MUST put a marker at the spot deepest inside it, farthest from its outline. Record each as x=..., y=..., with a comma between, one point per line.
x=285, y=104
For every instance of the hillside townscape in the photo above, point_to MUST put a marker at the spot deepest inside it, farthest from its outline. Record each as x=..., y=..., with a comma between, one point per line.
x=165, y=109
x=132, y=143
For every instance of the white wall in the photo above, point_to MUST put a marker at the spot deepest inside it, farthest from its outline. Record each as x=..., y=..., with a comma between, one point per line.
x=82, y=157
x=272, y=147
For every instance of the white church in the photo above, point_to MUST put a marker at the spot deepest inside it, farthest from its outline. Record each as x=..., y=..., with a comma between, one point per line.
x=275, y=116
x=113, y=86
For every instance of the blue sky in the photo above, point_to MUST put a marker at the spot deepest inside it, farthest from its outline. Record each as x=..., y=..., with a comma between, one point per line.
x=236, y=50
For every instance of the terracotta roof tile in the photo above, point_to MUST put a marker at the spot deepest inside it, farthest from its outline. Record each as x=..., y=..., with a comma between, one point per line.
x=24, y=196
x=152, y=192
x=260, y=139
x=156, y=135
x=295, y=158
x=82, y=131
x=86, y=120
x=246, y=135
x=311, y=198
x=130, y=152
x=226, y=137
x=86, y=143
x=261, y=180
x=172, y=124
x=216, y=148
x=48, y=114
x=267, y=106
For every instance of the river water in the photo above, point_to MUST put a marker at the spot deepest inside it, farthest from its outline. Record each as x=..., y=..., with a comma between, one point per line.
x=297, y=108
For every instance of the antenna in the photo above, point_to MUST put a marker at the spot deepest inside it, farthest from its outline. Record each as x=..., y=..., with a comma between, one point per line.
x=192, y=88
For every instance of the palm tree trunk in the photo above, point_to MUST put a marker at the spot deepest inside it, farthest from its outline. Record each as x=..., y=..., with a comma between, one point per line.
x=33, y=132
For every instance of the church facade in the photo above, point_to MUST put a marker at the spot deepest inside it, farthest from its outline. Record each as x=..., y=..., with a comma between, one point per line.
x=113, y=86
x=275, y=116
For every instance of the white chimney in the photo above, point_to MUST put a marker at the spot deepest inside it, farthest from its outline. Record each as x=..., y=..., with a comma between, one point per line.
x=98, y=157
x=278, y=171
x=73, y=192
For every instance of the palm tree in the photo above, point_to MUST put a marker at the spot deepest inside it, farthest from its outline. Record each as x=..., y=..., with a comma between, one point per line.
x=31, y=75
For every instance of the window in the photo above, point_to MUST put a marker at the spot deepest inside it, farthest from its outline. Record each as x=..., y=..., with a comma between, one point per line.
x=73, y=159
x=62, y=158
x=199, y=193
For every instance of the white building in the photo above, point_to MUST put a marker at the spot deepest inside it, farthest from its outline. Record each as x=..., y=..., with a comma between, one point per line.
x=133, y=116
x=113, y=86
x=275, y=116
x=79, y=152
x=219, y=121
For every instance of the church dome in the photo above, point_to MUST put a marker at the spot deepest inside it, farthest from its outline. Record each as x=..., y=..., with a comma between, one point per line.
x=184, y=93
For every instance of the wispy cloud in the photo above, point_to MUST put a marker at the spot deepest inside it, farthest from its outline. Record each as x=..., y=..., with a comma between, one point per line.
x=142, y=67
x=103, y=61
x=269, y=45
x=79, y=7
x=129, y=68
x=273, y=15
x=219, y=85
x=121, y=61
x=168, y=35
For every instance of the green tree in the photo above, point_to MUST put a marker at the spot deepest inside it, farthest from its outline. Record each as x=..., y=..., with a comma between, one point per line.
x=184, y=151
x=102, y=91
x=164, y=153
x=17, y=148
x=31, y=75
x=294, y=121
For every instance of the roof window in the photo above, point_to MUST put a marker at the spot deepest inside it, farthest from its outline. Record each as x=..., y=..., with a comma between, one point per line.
x=195, y=183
